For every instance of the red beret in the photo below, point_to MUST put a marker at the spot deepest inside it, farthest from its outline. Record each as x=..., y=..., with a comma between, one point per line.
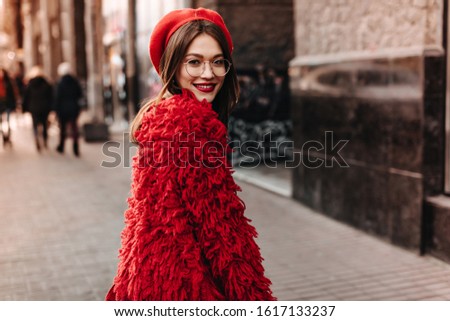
x=168, y=24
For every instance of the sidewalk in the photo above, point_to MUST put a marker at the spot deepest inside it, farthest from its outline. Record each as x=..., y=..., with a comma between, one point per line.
x=61, y=219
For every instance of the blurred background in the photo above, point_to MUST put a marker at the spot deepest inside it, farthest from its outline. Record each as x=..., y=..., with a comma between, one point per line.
x=371, y=73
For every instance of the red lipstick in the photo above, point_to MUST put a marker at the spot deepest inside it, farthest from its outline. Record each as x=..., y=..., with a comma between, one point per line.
x=206, y=88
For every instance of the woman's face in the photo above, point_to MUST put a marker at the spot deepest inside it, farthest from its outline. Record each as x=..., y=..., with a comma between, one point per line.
x=202, y=51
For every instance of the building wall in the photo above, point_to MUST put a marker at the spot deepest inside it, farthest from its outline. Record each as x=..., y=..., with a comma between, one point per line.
x=8, y=36
x=371, y=73
x=338, y=26
x=50, y=44
x=262, y=30
x=67, y=23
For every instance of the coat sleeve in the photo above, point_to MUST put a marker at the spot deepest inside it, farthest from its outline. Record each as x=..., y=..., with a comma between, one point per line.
x=217, y=214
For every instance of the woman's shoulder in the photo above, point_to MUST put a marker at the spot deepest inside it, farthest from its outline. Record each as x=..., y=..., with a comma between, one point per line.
x=181, y=113
x=187, y=103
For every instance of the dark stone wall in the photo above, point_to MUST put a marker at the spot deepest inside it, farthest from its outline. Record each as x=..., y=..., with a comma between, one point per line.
x=434, y=131
x=80, y=40
x=436, y=210
x=377, y=107
x=437, y=226
x=262, y=30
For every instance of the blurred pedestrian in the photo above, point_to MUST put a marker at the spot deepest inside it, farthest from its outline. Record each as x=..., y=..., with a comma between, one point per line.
x=19, y=82
x=67, y=106
x=186, y=236
x=7, y=105
x=38, y=99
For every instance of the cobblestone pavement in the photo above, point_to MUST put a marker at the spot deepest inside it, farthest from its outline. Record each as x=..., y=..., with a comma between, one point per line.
x=61, y=219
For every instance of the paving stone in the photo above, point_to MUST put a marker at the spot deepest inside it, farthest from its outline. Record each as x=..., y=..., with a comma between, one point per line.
x=62, y=217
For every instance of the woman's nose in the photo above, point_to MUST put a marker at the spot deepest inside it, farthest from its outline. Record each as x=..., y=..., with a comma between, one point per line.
x=207, y=70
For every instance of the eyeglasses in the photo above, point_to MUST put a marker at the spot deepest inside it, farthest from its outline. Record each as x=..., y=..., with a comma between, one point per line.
x=196, y=67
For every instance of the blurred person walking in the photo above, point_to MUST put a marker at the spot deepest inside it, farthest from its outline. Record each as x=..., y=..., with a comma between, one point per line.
x=7, y=105
x=186, y=235
x=67, y=106
x=19, y=83
x=38, y=99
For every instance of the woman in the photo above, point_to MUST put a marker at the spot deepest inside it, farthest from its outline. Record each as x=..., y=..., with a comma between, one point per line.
x=186, y=236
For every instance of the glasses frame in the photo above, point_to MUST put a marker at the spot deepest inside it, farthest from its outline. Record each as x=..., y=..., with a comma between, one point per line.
x=204, y=67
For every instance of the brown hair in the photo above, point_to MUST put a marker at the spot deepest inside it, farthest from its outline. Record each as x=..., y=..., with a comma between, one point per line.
x=173, y=57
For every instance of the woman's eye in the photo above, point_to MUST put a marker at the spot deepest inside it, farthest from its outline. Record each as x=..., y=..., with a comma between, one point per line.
x=219, y=62
x=194, y=62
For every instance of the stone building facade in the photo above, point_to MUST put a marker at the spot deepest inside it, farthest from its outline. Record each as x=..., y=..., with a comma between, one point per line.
x=262, y=30
x=328, y=27
x=372, y=74
x=10, y=35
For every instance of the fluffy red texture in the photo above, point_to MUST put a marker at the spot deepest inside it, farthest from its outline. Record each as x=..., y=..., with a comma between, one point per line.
x=186, y=236
x=174, y=20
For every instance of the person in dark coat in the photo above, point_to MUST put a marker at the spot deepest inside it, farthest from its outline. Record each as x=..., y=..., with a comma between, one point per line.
x=7, y=104
x=38, y=99
x=67, y=106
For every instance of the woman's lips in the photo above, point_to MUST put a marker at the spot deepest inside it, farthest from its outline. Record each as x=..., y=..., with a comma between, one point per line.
x=206, y=88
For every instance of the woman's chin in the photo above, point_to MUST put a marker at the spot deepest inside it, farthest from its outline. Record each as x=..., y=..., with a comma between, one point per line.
x=209, y=97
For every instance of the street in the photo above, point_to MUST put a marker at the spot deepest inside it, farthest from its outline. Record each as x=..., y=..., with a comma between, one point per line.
x=61, y=219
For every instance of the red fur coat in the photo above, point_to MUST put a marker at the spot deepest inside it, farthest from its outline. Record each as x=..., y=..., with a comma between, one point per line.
x=186, y=236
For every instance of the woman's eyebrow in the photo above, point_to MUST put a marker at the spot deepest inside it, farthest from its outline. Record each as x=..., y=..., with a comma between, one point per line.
x=201, y=56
